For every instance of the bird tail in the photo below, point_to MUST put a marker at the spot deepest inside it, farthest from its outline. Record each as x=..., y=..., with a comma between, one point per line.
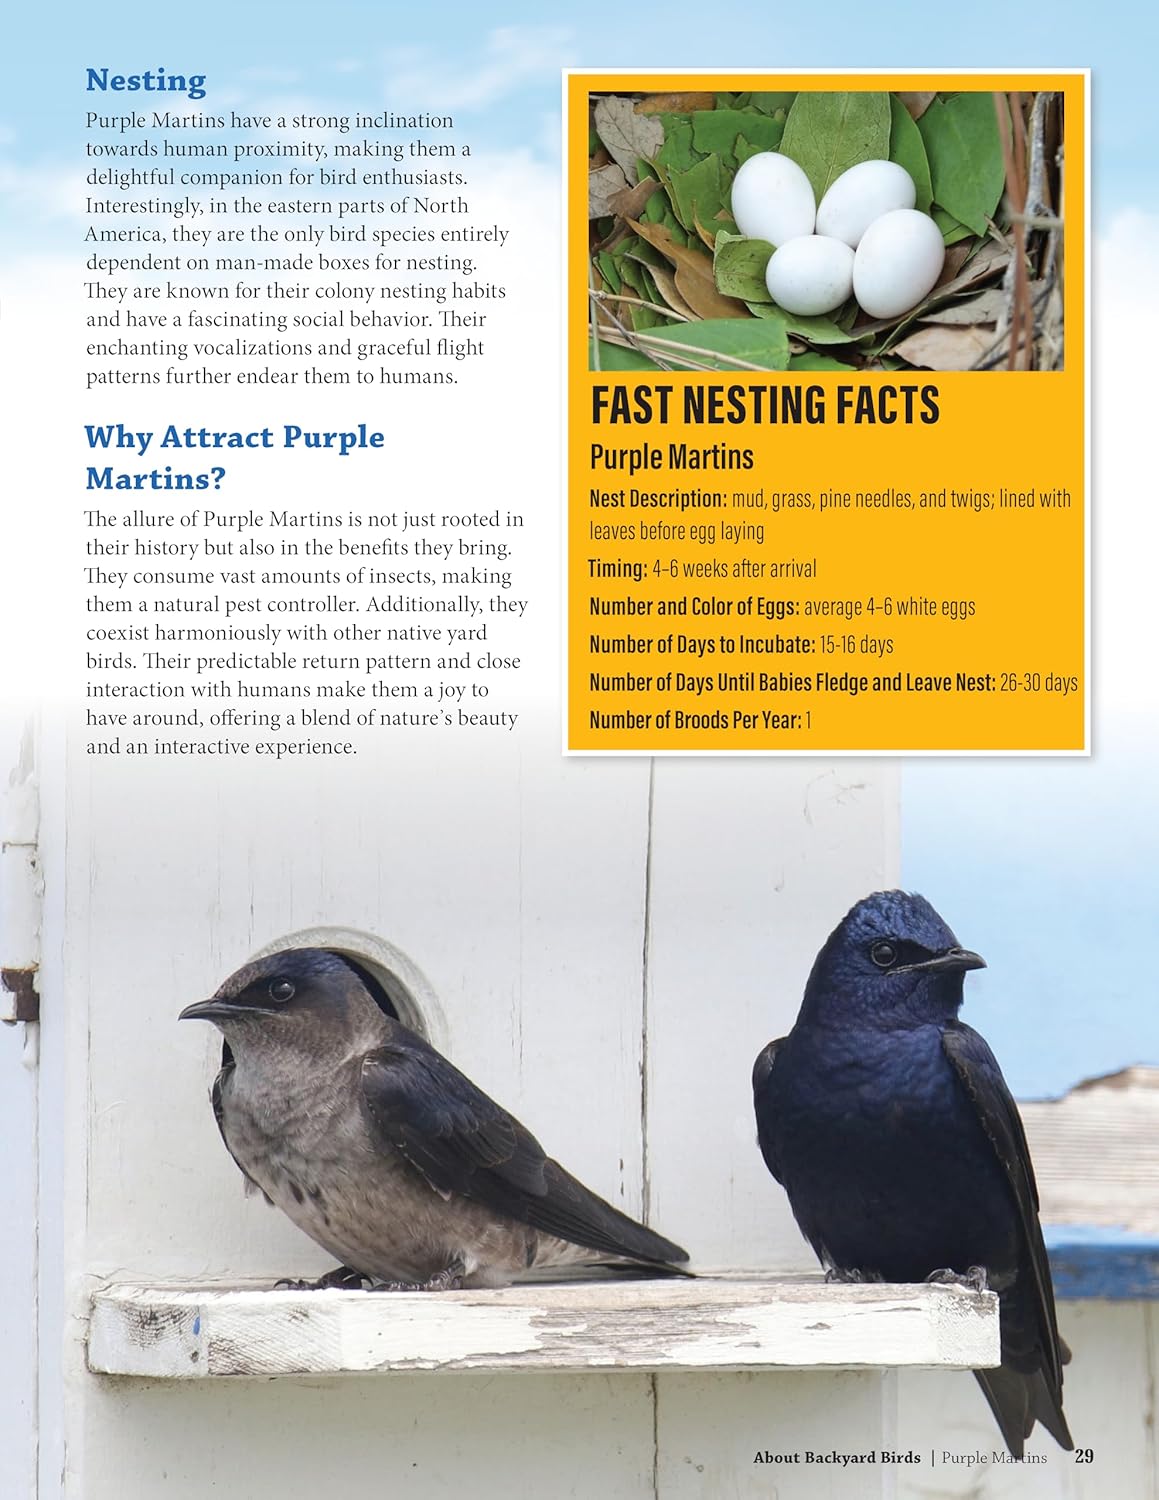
x=1018, y=1401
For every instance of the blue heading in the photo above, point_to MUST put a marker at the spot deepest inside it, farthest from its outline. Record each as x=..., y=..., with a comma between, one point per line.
x=157, y=82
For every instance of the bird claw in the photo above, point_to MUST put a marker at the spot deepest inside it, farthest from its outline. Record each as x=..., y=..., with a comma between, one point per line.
x=976, y=1278
x=854, y=1276
x=450, y=1279
x=341, y=1277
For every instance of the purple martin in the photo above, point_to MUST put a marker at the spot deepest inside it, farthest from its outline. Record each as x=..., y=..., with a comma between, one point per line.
x=381, y=1150
x=889, y=1124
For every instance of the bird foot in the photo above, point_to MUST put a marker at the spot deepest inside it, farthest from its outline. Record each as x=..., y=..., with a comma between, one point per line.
x=342, y=1277
x=450, y=1279
x=975, y=1278
x=839, y=1273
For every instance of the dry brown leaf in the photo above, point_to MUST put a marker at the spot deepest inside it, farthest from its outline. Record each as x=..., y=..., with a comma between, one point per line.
x=956, y=257
x=626, y=134
x=693, y=274
x=666, y=286
x=987, y=265
x=675, y=104
x=986, y=307
x=917, y=104
x=703, y=296
x=603, y=185
x=708, y=237
x=937, y=348
x=629, y=203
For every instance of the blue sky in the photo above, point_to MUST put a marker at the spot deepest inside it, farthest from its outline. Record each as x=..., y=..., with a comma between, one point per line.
x=344, y=51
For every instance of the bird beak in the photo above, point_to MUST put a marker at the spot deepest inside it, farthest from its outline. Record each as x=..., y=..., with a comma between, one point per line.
x=952, y=961
x=212, y=1009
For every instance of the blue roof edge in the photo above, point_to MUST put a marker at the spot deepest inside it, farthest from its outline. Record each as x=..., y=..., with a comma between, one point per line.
x=1097, y=1261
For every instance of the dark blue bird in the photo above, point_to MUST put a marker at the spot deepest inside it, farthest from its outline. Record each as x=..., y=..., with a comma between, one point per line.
x=890, y=1126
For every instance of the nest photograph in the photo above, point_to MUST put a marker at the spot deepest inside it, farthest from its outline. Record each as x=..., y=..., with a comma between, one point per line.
x=822, y=230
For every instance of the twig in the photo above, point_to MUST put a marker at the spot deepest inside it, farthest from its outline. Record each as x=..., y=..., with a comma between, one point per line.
x=667, y=312
x=1012, y=133
x=627, y=338
x=595, y=321
x=1036, y=221
x=997, y=352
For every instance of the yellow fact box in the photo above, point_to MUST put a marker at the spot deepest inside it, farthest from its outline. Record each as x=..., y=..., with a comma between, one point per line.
x=827, y=494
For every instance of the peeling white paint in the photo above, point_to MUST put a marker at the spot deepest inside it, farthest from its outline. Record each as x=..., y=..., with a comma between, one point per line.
x=688, y=1325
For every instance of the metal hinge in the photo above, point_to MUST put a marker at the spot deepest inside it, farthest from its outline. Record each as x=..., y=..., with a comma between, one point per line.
x=19, y=1000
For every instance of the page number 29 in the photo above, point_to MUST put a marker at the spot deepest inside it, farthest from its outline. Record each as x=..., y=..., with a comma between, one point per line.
x=1084, y=1455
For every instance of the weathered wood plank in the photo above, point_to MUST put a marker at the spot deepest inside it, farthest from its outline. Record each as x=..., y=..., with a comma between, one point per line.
x=707, y=1325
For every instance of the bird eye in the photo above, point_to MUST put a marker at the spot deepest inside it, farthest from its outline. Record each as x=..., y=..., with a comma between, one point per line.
x=281, y=990
x=884, y=955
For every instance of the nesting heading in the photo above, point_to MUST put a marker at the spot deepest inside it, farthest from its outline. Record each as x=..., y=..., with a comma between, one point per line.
x=104, y=80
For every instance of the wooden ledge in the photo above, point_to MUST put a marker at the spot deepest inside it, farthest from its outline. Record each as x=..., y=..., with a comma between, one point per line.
x=710, y=1323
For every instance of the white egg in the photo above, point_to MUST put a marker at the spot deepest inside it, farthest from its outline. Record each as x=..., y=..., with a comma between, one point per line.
x=811, y=274
x=772, y=199
x=898, y=261
x=862, y=194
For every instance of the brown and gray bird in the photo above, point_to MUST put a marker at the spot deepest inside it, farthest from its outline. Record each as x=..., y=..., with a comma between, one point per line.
x=382, y=1151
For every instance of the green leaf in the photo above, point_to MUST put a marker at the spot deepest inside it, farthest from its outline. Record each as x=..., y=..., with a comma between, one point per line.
x=609, y=270
x=908, y=150
x=965, y=155
x=773, y=103
x=698, y=193
x=745, y=149
x=676, y=153
x=952, y=231
x=827, y=133
x=637, y=249
x=614, y=357
x=634, y=277
x=816, y=330
x=756, y=341
x=812, y=361
x=716, y=130
x=643, y=318
x=658, y=210
x=738, y=267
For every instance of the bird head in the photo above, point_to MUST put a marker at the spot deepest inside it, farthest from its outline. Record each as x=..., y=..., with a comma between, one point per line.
x=300, y=999
x=891, y=961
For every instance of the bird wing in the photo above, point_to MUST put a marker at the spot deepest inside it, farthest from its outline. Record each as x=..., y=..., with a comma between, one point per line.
x=980, y=1075
x=462, y=1142
x=764, y=1099
x=218, y=1099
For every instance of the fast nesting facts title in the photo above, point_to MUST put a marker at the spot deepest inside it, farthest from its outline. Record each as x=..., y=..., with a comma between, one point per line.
x=785, y=404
